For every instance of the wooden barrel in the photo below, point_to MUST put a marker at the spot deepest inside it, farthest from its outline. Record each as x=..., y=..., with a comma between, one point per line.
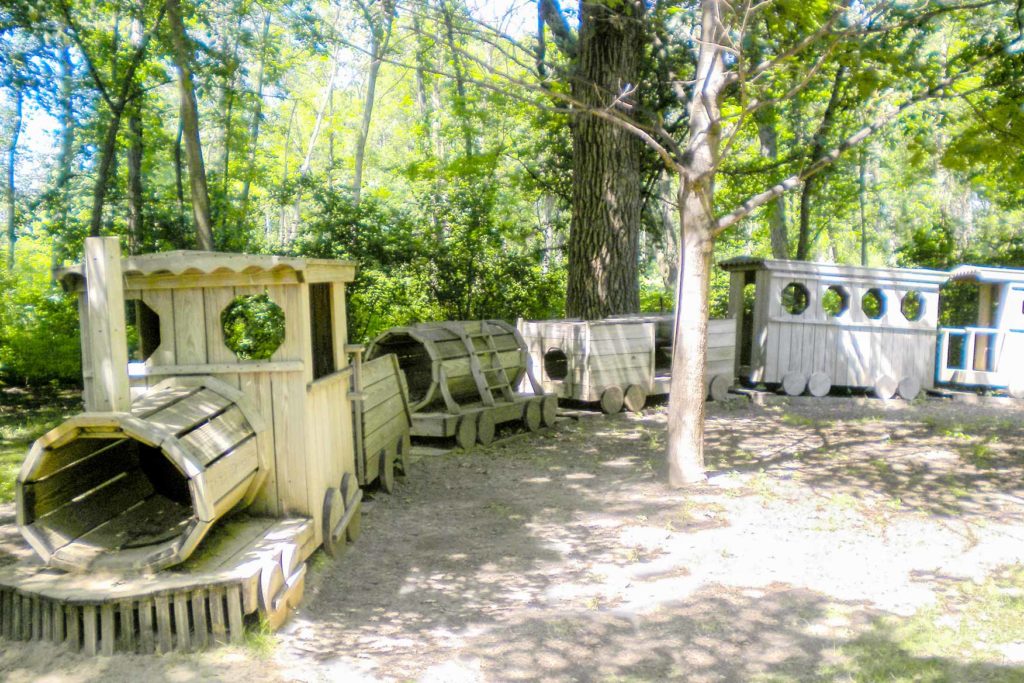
x=441, y=358
x=139, y=490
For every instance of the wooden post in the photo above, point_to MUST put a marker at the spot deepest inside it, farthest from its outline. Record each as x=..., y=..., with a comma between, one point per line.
x=107, y=347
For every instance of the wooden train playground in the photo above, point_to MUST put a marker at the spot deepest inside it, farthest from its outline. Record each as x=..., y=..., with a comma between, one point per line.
x=239, y=434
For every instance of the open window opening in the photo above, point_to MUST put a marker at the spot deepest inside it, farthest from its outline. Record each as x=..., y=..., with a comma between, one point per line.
x=873, y=303
x=142, y=330
x=795, y=298
x=835, y=301
x=556, y=364
x=321, y=319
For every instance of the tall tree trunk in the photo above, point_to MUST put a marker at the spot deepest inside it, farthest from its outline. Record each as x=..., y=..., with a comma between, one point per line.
x=190, y=117
x=818, y=150
x=862, y=196
x=606, y=197
x=380, y=36
x=768, y=136
x=462, y=102
x=67, y=130
x=687, y=391
x=12, y=158
x=230, y=86
x=135, y=215
x=321, y=111
x=254, y=126
x=107, y=154
x=179, y=175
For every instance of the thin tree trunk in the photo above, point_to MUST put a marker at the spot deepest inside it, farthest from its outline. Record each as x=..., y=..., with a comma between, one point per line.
x=862, y=196
x=817, y=152
x=380, y=36
x=768, y=137
x=190, y=117
x=687, y=392
x=230, y=85
x=461, y=105
x=604, y=234
x=12, y=158
x=254, y=126
x=179, y=179
x=321, y=111
x=135, y=214
x=67, y=130
x=107, y=153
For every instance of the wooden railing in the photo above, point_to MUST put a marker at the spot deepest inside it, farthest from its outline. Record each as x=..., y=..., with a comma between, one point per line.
x=971, y=355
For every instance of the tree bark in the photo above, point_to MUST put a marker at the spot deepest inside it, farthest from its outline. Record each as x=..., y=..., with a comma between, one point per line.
x=190, y=118
x=179, y=174
x=254, y=126
x=12, y=158
x=603, y=276
x=135, y=215
x=380, y=36
x=687, y=391
x=768, y=136
x=818, y=151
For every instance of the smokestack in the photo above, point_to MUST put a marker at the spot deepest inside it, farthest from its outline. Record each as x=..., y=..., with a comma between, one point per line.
x=107, y=345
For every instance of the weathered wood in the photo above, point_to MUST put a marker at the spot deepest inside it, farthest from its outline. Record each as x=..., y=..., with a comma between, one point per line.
x=108, y=634
x=794, y=383
x=718, y=387
x=107, y=346
x=90, y=630
x=635, y=398
x=819, y=384
x=884, y=387
x=611, y=400
x=485, y=426
x=200, y=625
x=218, y=621
x=909, y=387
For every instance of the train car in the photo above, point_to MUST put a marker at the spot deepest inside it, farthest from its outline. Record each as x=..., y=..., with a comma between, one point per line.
x=618, y=362
x=809, y=327
x=990, y=354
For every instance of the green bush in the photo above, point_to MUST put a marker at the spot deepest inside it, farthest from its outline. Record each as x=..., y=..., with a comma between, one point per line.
x=253, y=326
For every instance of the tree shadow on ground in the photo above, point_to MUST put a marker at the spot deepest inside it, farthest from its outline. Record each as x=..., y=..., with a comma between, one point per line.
x=491, y=562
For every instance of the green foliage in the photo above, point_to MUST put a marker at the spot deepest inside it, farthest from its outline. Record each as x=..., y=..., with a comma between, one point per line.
x=254, y=326
x=39, y=338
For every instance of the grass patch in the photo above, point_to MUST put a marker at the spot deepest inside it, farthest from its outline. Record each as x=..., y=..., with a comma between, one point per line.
x=24, y=416
x=958, y=639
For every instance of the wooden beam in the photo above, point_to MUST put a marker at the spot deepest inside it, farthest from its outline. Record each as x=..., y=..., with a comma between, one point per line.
x=108, y=347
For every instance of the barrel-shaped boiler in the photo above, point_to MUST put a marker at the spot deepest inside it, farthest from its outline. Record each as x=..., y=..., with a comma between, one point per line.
x=446, y=362
x=139, y=490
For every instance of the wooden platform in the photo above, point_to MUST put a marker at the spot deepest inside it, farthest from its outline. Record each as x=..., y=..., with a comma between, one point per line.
x=246, y=566
x=476, y=422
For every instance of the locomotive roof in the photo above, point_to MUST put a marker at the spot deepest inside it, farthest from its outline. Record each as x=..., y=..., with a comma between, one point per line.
x=205, y=267
x=986, y=274
x=810, y=269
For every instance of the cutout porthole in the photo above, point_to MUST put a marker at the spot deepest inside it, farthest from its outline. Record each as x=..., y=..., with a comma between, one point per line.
x=253, y=326
x=835, y=301
x=873, y=303
x=556, y=364
x=912, y=305
x=795, y=298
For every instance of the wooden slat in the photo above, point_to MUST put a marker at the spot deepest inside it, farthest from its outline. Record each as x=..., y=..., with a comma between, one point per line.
x=218, y=623
x=90, y=630
x=73, y=613
x=182, y=630
x=107, y=629
x=127, y=614
x=189, y=327
x=219, y=435
x=147, y=629
x=189, y=412
x=227, y=474
x=149, y=522
x=57, y=622
x=200, y=628
x=235, y=623
x=54, y=491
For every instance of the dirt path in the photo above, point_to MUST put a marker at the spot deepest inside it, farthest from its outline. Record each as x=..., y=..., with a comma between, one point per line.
x=565, y=557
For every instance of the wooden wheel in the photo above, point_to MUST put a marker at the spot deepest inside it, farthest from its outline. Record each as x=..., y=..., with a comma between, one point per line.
x=386, y=475
x=611, y=400
x=884, y=387
x=794, y=382
x=349, y=488
x=485, y=427
x=465, y=435
x=634, y=398
x=818, y=384
x=908, y=388
x=549, y=412
x=718, y=388
x=532, y=415
x=334, y=510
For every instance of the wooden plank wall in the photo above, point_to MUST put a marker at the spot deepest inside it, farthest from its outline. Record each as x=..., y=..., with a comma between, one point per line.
x=543, y=335
x=722, y=348
x=618, y=354
x=852, y=349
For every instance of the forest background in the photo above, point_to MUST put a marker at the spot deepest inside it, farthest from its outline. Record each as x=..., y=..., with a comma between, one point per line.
x=407, y=137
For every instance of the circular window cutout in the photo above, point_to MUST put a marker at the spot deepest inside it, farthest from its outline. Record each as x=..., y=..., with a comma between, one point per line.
x=912, y=305
x=795, y=298
x=556, y=364
x=873, y=303
x=253, y=326
x=835, y=301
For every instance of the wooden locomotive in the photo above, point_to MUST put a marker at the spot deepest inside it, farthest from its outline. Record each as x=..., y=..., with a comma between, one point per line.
x=119, y=494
